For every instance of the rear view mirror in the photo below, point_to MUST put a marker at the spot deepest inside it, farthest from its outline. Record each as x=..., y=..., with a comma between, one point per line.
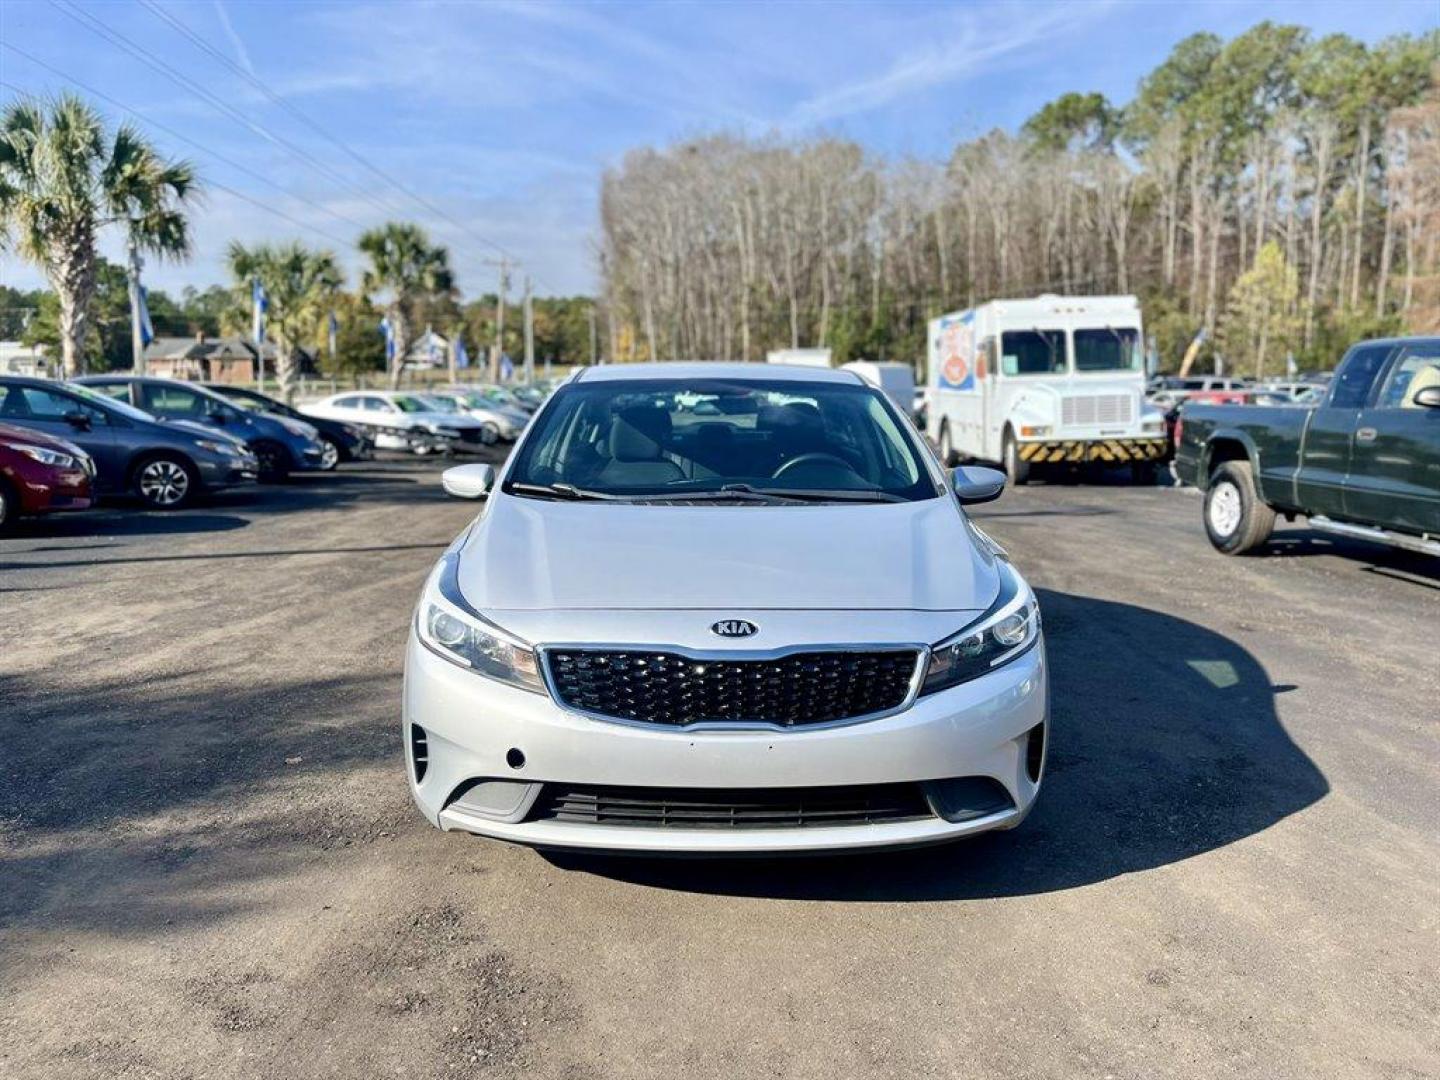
x=468, y=481
x=78, y=420
x=1428, y=397
x=976, y=484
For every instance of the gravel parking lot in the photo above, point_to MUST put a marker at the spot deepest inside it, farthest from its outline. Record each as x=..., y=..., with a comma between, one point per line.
x=210, y=865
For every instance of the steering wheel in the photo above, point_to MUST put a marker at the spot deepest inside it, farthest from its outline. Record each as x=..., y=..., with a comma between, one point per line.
x=815, y=457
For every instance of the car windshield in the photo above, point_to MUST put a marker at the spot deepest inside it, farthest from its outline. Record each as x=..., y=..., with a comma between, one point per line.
x=124, y=408
x=1108, y=349
x=1032, y=352
x=744, y=440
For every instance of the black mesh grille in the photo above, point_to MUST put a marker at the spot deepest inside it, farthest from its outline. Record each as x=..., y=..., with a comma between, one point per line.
x=730, y=808
x=792, y=691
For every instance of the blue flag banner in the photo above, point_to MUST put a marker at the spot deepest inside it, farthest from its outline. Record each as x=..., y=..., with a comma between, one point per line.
x=462, y=358
x=430, y=353
x=389, y=332
x=334, y=331
x=507, y=367
x=147, y=330
x=261, y=304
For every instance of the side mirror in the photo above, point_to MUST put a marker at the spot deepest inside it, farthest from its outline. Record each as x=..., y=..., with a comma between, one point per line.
x=468, y=481
x=78, y=420
x=1428, y=397
x=976, y=484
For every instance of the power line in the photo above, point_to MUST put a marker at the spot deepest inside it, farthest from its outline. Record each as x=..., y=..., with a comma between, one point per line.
x=100, y=28
x=202, y=148
x=200, y=42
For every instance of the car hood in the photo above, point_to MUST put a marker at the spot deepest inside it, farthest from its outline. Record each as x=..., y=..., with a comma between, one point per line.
x=204, y=431
x=530, y=554
x=10, y=433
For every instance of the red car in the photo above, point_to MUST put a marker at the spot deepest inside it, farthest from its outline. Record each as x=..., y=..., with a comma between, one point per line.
x=40, y=473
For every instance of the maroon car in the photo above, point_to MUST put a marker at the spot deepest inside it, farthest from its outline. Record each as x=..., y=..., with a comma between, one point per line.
x=40, y=473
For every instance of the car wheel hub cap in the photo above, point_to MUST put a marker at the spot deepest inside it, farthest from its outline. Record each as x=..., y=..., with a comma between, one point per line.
x=164, y=482
x=1225, y=509
x=331, y=456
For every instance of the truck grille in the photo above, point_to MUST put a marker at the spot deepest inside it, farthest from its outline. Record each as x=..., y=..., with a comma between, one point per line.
x=1090, y=410
x=730, y=808
x=792, y=691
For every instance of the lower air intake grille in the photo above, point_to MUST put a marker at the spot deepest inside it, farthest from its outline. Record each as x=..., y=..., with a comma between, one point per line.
x=730, y=808
x=419, y=751
x=791, y=691
x=1092, y=409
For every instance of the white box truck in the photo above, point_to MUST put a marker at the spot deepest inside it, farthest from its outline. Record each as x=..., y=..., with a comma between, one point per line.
x=1049, y=379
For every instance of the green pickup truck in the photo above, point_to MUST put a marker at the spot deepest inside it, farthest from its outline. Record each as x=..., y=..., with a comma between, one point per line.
x=1364, y=462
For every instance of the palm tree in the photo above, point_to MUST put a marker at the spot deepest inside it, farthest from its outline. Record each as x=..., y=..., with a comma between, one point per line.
x=301, y=286
x=404, y=270
x=63, y=181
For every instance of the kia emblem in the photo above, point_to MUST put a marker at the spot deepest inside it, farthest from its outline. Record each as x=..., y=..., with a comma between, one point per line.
x=734, y=628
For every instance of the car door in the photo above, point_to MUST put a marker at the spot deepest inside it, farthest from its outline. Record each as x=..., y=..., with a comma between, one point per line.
x=57, y=413
x=1325, y=453
x=1394, y=476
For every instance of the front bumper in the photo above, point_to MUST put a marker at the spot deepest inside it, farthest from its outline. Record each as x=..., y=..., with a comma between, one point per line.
x=1111, y=451
x=472, y=724
x=228, y=471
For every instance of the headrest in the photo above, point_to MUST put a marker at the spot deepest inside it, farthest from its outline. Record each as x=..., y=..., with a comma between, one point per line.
x=638, y=434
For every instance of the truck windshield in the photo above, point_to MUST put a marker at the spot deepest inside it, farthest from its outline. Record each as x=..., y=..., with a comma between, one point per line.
x=1032, y=352
x=744, y=441
x=1108, y=349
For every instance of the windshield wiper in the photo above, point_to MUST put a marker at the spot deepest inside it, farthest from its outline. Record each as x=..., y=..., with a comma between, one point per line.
x=749, y=493
x=566, y=491
x=834, y=495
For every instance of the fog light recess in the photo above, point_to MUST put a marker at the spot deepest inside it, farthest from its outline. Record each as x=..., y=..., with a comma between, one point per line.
x=1035, y=752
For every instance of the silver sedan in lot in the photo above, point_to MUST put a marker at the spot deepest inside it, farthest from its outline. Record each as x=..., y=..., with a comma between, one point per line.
x=765, y=626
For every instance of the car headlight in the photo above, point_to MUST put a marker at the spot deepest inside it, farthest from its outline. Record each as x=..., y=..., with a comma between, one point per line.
x=1007, y=630
x=215, y=446
x=46, y=456
x=452, y=629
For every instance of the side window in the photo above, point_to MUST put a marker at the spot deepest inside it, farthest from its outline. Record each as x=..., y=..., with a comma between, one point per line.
x=119, y=391
x=1356, y=375
x=1417, y=367
x=173, y=401
x=350, y=401
x=375, y=404
x=37, y=404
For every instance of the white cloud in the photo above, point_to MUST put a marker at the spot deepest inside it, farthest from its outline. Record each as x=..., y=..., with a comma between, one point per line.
x=962, y=45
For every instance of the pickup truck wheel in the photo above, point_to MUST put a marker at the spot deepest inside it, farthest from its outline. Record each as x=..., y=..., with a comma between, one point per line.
x=1016, y=470
x=1236, y=520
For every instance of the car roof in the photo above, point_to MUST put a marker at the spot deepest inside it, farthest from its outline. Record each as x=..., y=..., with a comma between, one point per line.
x=698, y=372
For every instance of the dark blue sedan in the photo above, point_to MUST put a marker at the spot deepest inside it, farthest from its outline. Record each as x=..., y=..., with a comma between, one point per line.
x=282, y=445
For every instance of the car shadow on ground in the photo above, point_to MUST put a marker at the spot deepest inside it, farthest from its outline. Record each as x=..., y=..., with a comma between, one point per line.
x=1368, y=557
x=1165, y=745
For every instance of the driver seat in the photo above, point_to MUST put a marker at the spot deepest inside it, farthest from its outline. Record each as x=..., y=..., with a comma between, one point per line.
x=637, y=454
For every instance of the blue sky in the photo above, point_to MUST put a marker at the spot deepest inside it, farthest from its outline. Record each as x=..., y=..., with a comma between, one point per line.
x=501, y=116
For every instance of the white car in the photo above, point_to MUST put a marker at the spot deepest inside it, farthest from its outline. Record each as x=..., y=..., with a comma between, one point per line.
x=399, y=411
x=501, y=423
x=767, y=628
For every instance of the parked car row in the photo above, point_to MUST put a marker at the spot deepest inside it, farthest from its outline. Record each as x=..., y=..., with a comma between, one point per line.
x=63, y=445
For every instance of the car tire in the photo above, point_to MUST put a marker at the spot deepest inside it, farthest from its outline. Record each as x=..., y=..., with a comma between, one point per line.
x=332, y=455
x=1017, y=471
x=489, y=433
x=1236, y=521
x=9, y=508
x=164, y=481
x=274, y=461
x=948, y=457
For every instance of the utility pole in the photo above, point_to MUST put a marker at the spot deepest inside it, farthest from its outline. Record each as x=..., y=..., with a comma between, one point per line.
x=137, y=338
x=500, y=320
x=592, y=335
x=529, y=335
